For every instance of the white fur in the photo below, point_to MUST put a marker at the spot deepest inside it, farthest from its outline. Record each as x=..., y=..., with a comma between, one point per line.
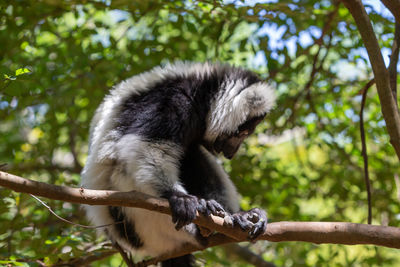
x=128, y=162
x=136, y=171
x=102, y=133
x=158, y=233
x=147, y=164
x=231, y=108
x=228, y=110
x=138, y=157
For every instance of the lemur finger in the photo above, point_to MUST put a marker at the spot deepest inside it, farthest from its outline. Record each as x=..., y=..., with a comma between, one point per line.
x=243, y=223
x=211, y=207
x=253, y=217
x=183, y=209
x=190, y=208
x=217, y=207
x=179, y=209
x=257, y=215
x=179, y=224
x=257, y=229
x=202, y=207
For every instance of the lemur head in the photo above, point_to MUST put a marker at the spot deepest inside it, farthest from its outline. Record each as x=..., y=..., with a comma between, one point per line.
x=239, y=106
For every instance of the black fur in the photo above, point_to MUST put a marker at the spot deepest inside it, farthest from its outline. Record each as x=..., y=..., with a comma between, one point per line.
x=253, y=221
x=175, y=108
x=250, y=125
x=199, y=178
x=183, y=261
x=125, y=228
x=185, y=206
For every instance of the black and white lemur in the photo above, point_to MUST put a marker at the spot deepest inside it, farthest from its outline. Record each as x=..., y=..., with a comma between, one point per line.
x=158, y=133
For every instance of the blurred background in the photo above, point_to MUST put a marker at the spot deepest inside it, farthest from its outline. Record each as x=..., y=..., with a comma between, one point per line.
x=58, y=59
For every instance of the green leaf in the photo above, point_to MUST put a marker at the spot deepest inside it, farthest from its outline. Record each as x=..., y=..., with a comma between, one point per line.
x=10, y=78
x=21, y=71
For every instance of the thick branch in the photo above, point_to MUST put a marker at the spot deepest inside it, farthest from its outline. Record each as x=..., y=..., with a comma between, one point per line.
x=107, y=197
x=388, y=103
x=316, y=232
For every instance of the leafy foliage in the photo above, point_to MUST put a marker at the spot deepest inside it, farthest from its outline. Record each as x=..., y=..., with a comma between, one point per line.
x=59, y=59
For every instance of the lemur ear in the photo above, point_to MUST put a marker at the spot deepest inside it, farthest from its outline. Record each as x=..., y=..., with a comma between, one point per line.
x=260, y=97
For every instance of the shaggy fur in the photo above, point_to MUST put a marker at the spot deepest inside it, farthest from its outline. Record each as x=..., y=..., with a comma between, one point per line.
x=148, y=135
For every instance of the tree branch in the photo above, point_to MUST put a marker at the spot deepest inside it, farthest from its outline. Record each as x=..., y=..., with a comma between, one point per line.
x=394, y=7
x=34, y=166
x=247, y=255
x=394, y=59
x=329, y=232
x=72, y=146
x=388, y=103
x=315, y=232
x=87, y=259
x=364, y=149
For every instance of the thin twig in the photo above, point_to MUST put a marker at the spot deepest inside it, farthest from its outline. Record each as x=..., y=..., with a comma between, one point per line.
x=38, y=262
x=125, y=256
x=3, y=166
x=31, y=167
x=72, y=146
x=317, y=64
x=67, y=221
x=397, y=182
x=364, y=149
x=246, y=254
x=394, y=58
x=86, y=259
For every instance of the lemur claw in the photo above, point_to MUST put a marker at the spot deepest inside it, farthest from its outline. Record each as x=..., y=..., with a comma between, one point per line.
x=254, y=222
x=184, y=208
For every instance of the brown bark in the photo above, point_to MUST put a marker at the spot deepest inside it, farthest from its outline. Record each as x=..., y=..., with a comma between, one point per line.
x=315, y=232
x=394, y=7
x=235, y=250
x=381, y=74
x=394, y=59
